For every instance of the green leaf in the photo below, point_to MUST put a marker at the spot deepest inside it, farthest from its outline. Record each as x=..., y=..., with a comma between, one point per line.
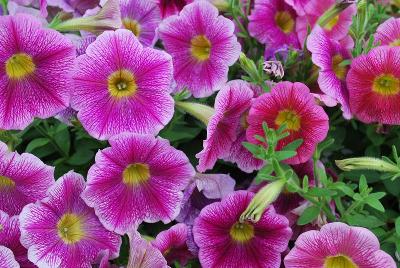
x=36, y=143
x=283, y=155
x=309, y=214
x=341, y=186
x=372, y=202
x=397, y=224
x=321, y=192
x=362, y=185
x=81, y=157
x=62, y=138
x=253, y=148
x=366, y=221
x=305, y=183
x=293, y=146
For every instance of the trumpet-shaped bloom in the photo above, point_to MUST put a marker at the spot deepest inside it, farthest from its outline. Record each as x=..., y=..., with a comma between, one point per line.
x=291, y=104
x=141, y=18
x=7, y=259
x=328, y=55
x=225, y=242
x=202, y=45
x=139, y=178
x=226, y=129
x=374, y=86
x=338, y=245
x=23, y=179
x=34, y=78
x=120, y=86
x=388, y=33
x=62, y=231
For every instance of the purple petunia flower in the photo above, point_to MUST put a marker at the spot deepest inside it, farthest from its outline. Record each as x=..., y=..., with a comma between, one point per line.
x=225, y=242
x=388, y=33
x=139, y=178
x=202, y=45
x=120, y=86
x=35, y=78
x=141, y=18
x=328, y=55
x=338, y=245
x=23, y=179
x=7, y=259
x=78, y=7
x=62, y=231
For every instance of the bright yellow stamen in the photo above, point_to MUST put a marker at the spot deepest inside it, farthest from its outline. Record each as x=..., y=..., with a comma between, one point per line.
x=6, y=182
x=284, y=21
x=70, y=229
x=19, y=66
x=242, y=232
x=332, y=23
x=136, y=174
x=133, y=26
x=339, y=70
x=290, y=118
x=200, y=47
x=395, y=43
x=339, y=261
x=386, y=84
x=122, y=84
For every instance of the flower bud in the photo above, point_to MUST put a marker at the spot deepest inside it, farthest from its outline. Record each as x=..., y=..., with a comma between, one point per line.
x=369, y=163
x=200, y=111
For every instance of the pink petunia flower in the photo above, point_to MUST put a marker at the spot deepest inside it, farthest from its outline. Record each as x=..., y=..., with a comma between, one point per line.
x=142, y=18
x=227, y=129
x=120, y=86
x=62, y=231
x=225, y=242
x=78, y=7
x=273, y=22
x=35, y=78
x=7, y=259
x=388, y=33
x=23, y=179
x=139, y=178
x=172, y=244
x=298, y=6
x=338, y=245
x=328, y=55
x=202, y=45
x=291, y=104
x=374, y=86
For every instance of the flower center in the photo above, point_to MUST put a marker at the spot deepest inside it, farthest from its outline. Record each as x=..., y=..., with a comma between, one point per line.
x=200, y=47
x=19, y=66
x=6, y=182
x=242, y=232
x=290, y=118
x=121, y=84
x=395, y=43
x=70, y=228
x=284, y=21
x=132, y=25
x=386, y=84
x=339, y=261
x=339, y=70
x=332, y=23
x=136, y=174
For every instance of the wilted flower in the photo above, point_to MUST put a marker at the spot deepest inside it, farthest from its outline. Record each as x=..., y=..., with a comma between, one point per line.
x=274, y=68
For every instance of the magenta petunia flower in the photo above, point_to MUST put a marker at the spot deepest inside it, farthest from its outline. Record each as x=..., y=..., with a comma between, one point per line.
x=298, y=6
x=202, y=45
x=62, y=231
x=374, y=86
x=338, y=245
x=224, y=241
x=141, y=18
x=78, y=7
x=139, y=178
x=143, y=255
x=226, y=129
x=388, y=33
x=337, y=28
x=7, y=259
x=291, y=104
x=35, y=78
x=273, y=22
x=120, y=86
x=172, y=244
x=170, y=7
x=23, y=179
x=328, y=55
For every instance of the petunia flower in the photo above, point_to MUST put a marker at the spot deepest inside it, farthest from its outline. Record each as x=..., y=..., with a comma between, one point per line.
x=202, y=45
x=120, y=86
x=329, y=55
x=298, y=6
x=35, y=78
x=62, y=231
x=293, y=105
x=139, y=178
x=142, y=18
x=225, y=242
x=338, y=245
x=388, y=33
x=273, y=22
x=226, y=129
x=170, y=7
x=7, y=259
x=23, y=179
x=172, y=244
x=78, y=7
x=374, y=86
